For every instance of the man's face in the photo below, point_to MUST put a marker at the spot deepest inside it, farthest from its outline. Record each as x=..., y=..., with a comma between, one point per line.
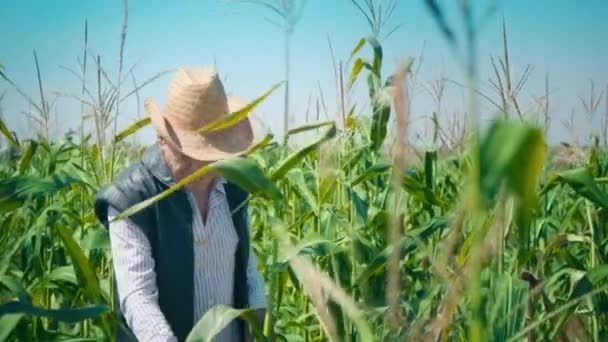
x=180, y=164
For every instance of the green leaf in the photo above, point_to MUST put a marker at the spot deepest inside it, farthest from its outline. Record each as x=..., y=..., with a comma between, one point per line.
x=8, y=323
x=377, y=66
x=136, y=126
x=318, y=248
x=87, y=278
x=561, y=242
x=361, y=206
x=61, y=315
x=356, y=155
x=584, y=284
x=430, y=158
x=358, y=47
x=594, y=163
x=239, y=115
x=380, y=116
x=590, y=281
x=296, y=179
x=506, y=315
x=290, y=337
x=582, y=182
x=374, y=171
x=357, y=67
x=15, y=191
x=328, y=180
x=297, y=156
x=8, y=134
x=332, y=221
x=351, y=120
x=309, y=127
x=27, y=156
x=420, y=191
x=85, y=274
x=15, y=287
x=64, y=274
x=213, y=322
x=95, y=153
x=267, y=139
x=512, y=153
x=246, y=174
x=313, y=248
x=407, y=245
x=95, y=238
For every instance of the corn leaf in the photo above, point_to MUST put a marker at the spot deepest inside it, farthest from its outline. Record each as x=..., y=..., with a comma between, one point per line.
x=290, y=162
x=374, y=171
x=95, y=238
x=377, y=65
x=87, y=278
x=215, y=320
x=309, y=127
x=310, y=248
x=583, y=286
x=379, y=126
x=14, y=286
x=358, y=47
x=506, y=316
x=136, y=126
x=246, y=174
x=8, y=323
x=296, y=179
x=8, y=134
x=357, y=67
x=64, y=274
x=407, y=245
x=582, y=182
x=15, y=191
x=430, y=158
x=27, y=156
x=61, y=315
x=260, y=145
x=590, y=281
x=239, y=115
x=512, y=154
x=85, y=274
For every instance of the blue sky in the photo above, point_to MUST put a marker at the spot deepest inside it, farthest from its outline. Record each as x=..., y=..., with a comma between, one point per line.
x=564, y=38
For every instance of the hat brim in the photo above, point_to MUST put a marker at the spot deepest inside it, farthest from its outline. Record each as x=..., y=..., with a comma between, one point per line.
x=227, y=143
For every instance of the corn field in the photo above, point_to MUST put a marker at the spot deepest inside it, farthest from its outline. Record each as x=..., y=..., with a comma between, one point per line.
x=360, y=236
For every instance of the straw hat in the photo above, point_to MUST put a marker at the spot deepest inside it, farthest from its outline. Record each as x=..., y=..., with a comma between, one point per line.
x=195, y=99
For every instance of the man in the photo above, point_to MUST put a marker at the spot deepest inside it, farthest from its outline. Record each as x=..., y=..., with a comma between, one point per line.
x=181, y=256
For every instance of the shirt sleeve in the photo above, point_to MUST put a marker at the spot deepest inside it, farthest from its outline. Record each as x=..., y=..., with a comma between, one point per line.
x=136, y=282
x=255, y=280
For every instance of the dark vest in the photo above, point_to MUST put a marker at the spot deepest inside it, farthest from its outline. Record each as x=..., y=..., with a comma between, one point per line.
x=168, y=226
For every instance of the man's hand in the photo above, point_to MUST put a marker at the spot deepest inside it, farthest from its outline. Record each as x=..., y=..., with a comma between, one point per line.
x=259, y=316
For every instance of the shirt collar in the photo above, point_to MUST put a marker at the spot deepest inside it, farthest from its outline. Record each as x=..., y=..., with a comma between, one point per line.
x=219, y=185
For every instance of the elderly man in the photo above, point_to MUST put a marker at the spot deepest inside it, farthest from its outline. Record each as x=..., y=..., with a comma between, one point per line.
x=190, y=251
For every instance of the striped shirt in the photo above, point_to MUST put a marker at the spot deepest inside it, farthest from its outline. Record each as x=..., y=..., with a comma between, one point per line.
x=214, y=251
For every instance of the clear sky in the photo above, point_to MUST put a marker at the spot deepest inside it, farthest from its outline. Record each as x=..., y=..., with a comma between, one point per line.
x=567, y=39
